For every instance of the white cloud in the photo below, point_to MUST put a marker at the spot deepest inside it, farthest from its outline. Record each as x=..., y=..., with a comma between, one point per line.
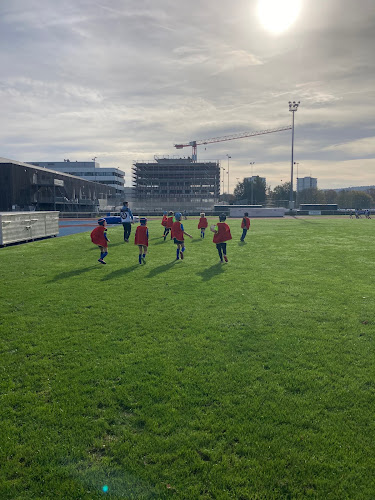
x=123, y=80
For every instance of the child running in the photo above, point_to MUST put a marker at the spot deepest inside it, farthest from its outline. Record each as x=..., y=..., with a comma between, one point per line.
x=221, y=236
x=164, y=223
x=202, y=224
x=169, y=225
x=141, y=239
x=245, y=225
x=99, y=237
x=178, y=233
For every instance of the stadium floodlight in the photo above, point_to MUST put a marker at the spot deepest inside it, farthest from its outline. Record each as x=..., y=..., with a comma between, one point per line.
x=293, y=106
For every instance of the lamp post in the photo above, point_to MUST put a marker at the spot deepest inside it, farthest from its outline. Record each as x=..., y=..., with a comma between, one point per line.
x=252, y=183
x=293, y=106
x=296, y=163
x=228, y=171
x=223, y=177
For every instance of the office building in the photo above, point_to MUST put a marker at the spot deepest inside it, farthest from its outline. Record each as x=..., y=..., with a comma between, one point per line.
x=306, y=183
x=89, y=170
x=28, y=187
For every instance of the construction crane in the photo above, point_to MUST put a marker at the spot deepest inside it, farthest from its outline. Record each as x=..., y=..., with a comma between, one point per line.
x=195, y=144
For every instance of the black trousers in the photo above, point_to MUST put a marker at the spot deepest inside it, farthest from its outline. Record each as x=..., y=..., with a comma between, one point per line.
x=127, y=229
x=222, y=249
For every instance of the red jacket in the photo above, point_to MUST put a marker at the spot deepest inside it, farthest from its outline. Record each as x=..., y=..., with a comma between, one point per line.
x=170, y=222
x=141, y=236
x=97, y=236
x=164, y=221
x=245, y=224
x=202, y=223
x=177, y=231
x=223, y=233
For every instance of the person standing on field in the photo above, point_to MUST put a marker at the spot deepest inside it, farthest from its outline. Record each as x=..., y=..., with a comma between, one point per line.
x=203, y=224
x=141, y=239
x=178, y=233
x=245, y=225
x=221, y=236
x=99, y=237
x=126, y=220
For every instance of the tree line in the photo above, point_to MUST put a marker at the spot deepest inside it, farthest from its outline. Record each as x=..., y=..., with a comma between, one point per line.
x=257, y=193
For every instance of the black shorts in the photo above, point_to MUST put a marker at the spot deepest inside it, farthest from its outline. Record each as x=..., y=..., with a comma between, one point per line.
x=178, y=242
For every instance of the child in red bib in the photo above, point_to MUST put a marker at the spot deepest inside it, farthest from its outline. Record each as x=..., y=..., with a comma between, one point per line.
x=168, y=226
x=99, y=237
x=141, y=239
x=178, y=233
x=245, y=225
x=221, y=236
x=202, y=224
x=164, y=222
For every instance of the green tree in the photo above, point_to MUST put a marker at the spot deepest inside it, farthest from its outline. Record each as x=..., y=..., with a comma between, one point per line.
x=354, y=199
x=281, y=194
x=331, y=196
x=311, y=195
x=361, y=199
x=248, y=190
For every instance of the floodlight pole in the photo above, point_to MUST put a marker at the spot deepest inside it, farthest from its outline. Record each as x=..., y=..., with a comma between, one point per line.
x=223, y=177
x=293, y=106
x=228, y=171
x=296, y=163
x=252, y=183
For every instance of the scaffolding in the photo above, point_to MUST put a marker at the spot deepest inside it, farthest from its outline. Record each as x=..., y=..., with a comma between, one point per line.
x=176, y=183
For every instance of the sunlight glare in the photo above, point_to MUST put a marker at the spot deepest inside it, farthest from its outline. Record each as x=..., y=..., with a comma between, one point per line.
x=278, y=15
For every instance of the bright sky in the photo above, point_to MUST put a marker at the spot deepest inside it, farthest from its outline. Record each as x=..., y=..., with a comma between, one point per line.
x=124, y=80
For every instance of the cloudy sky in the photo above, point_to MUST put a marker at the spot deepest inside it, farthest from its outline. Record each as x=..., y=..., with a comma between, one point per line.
x=124, y=80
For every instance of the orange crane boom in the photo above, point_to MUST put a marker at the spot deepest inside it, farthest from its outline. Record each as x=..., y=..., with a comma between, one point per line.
x=232, y=137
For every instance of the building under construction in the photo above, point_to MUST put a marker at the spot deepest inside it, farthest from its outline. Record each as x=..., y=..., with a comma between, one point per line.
x=176, y=184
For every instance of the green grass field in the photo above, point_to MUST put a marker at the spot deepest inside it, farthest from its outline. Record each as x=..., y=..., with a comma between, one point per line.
x=191, y=379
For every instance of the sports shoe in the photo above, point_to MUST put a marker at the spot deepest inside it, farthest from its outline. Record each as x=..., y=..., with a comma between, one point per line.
x=101, y=261
x=225, y=258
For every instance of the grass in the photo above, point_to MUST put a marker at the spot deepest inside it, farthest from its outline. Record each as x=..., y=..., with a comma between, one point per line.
x=190, y=380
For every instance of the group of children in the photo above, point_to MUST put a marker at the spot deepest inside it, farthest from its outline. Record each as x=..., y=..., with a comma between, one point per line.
x=172, y=224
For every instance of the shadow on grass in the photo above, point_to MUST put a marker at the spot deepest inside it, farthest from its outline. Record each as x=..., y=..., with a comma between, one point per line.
x=161, y=241
x=161, y=269
x=242, y=243
x=73, y=272
x=155, y=238
x=301, y=220
x=195, y=240
x=120, y=272
x=211, y=272
x=111, y=245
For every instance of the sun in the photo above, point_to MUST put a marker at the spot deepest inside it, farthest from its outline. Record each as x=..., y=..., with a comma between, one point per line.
x=278, y=15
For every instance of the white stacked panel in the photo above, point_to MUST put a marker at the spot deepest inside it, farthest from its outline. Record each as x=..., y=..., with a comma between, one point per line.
x=24, y=226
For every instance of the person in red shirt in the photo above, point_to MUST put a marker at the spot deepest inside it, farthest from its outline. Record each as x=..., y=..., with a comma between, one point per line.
x=245, y=225
x=164, y=222
x=99, y=237
x=202, y=224
x=178, y=233
x=221, y=236
x=168, y=227
x=141, y=239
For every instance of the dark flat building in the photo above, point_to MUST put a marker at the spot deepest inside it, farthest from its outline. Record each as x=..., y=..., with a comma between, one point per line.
x=27, y=187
